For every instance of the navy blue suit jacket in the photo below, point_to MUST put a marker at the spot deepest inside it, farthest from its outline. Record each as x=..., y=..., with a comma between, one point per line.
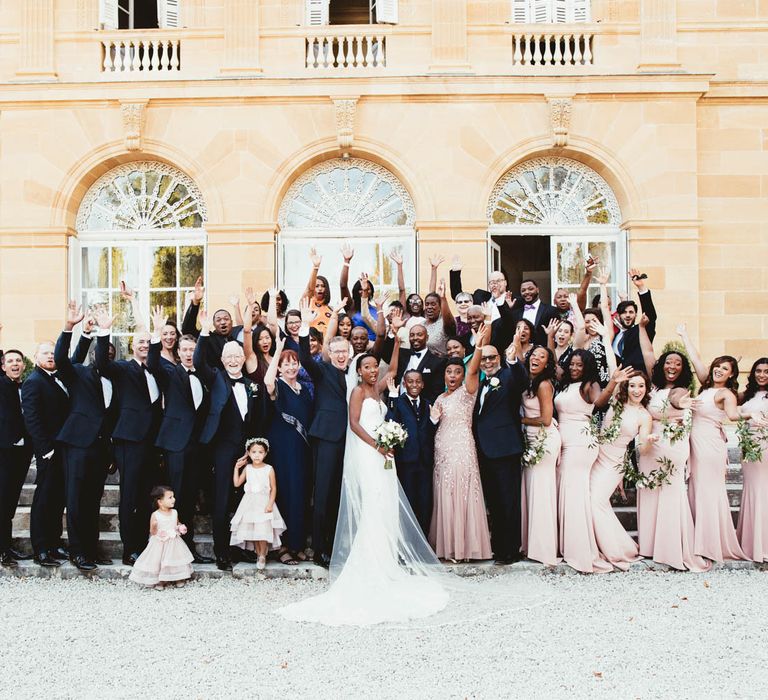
x=331, y=413
x=137, y=416
x=87, y=418
x=181, y=422
x=431, y=366
x=497, y=426
x=420, y=445
x=224, y=422
x=45, y=407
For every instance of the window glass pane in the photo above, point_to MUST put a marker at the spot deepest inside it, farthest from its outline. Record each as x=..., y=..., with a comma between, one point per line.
x=570, y=262
x=163, y=267
x=167, y=300
x=95, y=269
x=125, y=267
x=191, y=264
x=92, y=299
x=123, y=314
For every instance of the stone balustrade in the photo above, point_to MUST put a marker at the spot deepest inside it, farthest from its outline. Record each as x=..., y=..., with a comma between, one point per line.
x=561, y=48
x=344, y=51
x=140, y=54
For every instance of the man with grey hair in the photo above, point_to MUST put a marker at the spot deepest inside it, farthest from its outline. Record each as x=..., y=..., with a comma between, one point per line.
x=45, y=404
x=496, y=292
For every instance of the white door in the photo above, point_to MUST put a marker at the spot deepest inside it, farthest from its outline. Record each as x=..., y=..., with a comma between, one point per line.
x=108, y=14
x=316, y=12
x=494, y=256
x=386, y=11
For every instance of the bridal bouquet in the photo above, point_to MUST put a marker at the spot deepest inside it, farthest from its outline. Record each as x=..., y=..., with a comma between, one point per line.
x=390, y=435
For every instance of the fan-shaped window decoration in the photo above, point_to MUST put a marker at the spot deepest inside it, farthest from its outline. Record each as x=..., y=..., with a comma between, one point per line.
x=351, y=193
x=142, y=196
x=554, y=192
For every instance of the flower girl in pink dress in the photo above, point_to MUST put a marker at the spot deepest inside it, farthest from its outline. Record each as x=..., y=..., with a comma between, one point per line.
x=257, y=523
x=166, y=557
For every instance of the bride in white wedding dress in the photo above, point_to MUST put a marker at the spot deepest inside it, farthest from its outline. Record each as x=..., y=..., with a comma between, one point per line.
x=382, y=568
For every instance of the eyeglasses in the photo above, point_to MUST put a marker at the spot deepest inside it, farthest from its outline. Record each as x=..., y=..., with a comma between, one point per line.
x=339, y=352
x=489, y=358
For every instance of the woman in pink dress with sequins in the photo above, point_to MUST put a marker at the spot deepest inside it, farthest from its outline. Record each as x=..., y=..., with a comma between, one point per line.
x=539, y=505
x=714, y=535
x=578, y=453
x=459, y=527
x=752, y=528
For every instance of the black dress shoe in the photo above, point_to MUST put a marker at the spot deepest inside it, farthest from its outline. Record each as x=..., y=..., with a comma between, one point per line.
x=224, y=564
x=101, y=561
x=7, y=560
x=17, y=555
x=322, y=560
x=59, y=553
x=83, y=564
x=130, y=559
x=504, y=561
x=45, y=559
x=198, y=558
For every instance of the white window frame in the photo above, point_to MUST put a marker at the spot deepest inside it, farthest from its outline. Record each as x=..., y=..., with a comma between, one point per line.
x=550, y=11
x=317, y=12
x=168, y=14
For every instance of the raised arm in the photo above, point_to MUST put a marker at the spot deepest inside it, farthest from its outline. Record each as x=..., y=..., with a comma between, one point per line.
x=155, y=347
x=347, y=252
x=646, y=346
x=698, y=366
x=449, y=321
x=189, y=323
x=581, y=295
x=201, y=351
x=397, y=258
x=105, y=366
x=270, y=377
x=580, y=336
x=238, y=477
x=305, y=356
x=365, y=310
x=129, y=295
x=434, y=262
x=381, y=326
x=251, y=359
x=383, y=382
x=601, y=397
x=455, y=277
x=272, y=322
x=237, y=314
x=315, y=259
x=472, y=380
x=551, y=330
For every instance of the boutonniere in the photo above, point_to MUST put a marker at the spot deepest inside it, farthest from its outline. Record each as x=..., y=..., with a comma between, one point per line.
x=251, y=389
x=494, y=383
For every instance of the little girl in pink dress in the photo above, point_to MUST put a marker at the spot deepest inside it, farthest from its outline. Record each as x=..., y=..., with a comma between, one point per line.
x=166, y=557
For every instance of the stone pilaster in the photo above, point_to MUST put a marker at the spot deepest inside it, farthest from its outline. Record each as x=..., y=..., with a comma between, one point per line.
x=87, y=14
x=241, y=37
x=36, y=41
x=658, y=36
x=449, y=37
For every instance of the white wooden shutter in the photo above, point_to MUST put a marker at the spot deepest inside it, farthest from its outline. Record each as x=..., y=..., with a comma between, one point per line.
x=541, y=11
x=317, y=11
x=581, y=11
x=168, y=14
x=520, y=12
x=386, y=11
x=562, y=11
x=108, y=14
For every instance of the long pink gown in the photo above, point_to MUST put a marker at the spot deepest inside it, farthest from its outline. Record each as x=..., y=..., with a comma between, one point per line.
x=614, y=543
x=664, y=520
x=577, y=455
x=539, y=492
x=714, y=535
x=459, y=527
x=752, y=528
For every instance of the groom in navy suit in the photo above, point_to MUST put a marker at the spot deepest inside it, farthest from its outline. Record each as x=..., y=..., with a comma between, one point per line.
x=499, y=437
x=416, y=459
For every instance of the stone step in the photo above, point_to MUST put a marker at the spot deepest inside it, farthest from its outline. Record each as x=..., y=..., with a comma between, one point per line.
x=111, y=495
x=32, y=474
x=110, y=544
x=108, y=520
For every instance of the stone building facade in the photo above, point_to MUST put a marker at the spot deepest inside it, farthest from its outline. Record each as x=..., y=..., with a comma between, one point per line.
x=153, y=140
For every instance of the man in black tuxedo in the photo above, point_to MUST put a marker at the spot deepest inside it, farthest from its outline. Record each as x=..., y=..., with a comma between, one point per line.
x=534, y=310
x=15, y=450
x=186, y=407
x=45, y=403
x=498, y=433
x=236, y=412
x=496, y=293
x=626, y=342
x=222, y=332
x=502, y=329
x=431, y=366
x=328, y=432
x=85, y=440
x=133, y=437
x=416, y=459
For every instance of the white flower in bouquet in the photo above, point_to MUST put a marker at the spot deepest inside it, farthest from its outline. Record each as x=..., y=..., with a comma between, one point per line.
x=390, y=435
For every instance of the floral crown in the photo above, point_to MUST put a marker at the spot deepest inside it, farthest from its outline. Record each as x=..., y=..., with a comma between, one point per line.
x=257, y=441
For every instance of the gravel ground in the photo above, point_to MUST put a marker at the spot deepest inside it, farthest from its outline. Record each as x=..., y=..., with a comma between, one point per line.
x=636, y=635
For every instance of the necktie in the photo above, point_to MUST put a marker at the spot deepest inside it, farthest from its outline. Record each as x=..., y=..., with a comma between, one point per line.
x=529, y=306
x=415, y=403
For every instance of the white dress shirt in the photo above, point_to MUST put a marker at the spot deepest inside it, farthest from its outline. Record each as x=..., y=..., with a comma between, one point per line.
x=20, y=443
x=57, y=380
x=197, y=389
x=241, y=396
x=154, y=391
x=530, y=314
x=106, y=390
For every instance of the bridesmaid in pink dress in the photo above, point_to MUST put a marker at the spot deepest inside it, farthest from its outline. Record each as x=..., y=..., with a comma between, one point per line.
x=752, y=528
x=459, y=527
x=614, y=543
x=664, y=520
x=578, y=452
x=714, y=535
x=539, y=491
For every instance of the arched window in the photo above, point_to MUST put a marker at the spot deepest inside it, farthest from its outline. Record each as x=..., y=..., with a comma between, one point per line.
x=142, y=223
x=346, y=199
x=560, y=209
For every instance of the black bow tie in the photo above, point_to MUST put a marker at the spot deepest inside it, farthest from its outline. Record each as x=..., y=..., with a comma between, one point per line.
x=54, y=375
x=238, y=380
x=192, y=372
x=417, y=353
